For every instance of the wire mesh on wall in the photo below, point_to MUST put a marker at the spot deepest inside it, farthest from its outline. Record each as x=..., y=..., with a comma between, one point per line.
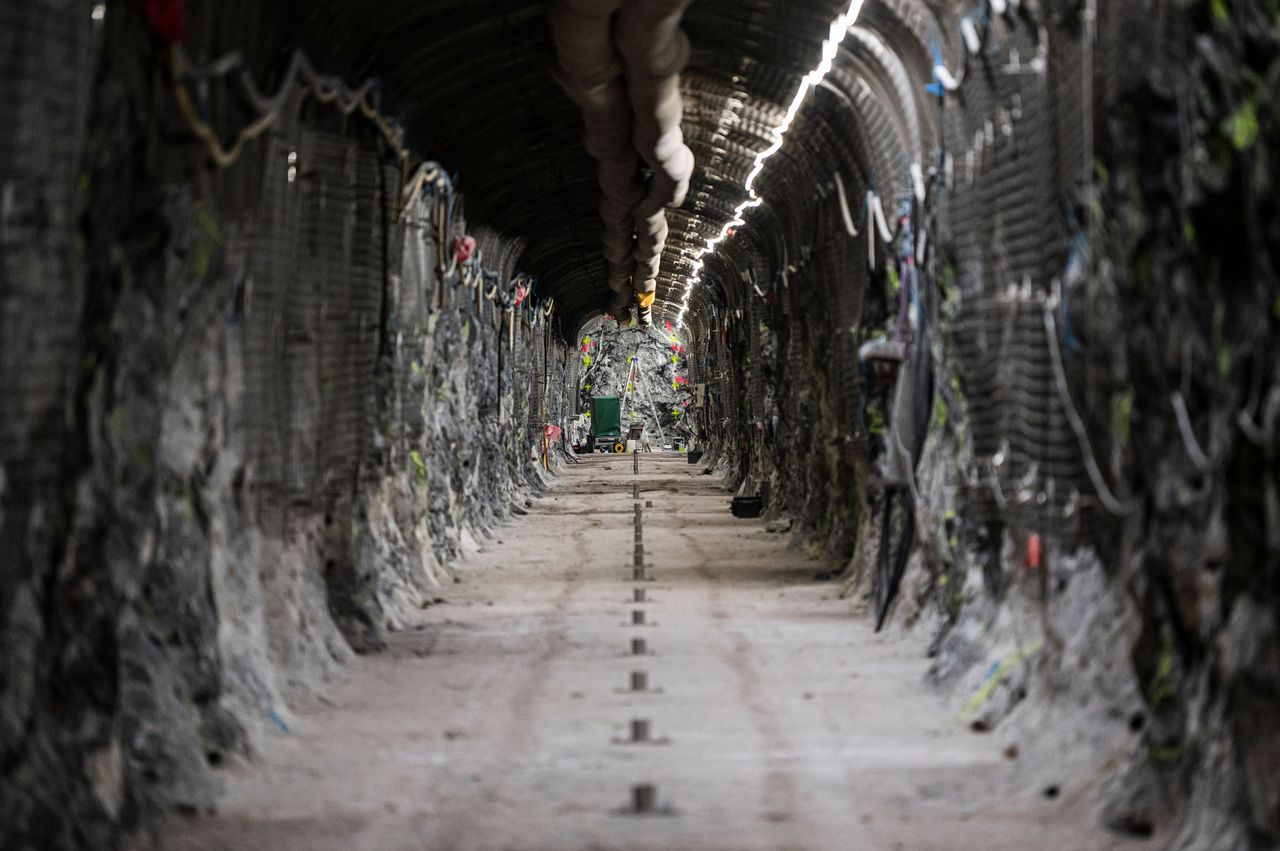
x=1013, y=152
x=316, y=259
x=44, y=101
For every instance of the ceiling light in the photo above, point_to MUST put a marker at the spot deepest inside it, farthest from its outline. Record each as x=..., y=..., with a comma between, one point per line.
x=830, y=48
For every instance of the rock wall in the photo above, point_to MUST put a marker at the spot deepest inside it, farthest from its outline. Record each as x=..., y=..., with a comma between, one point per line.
x=1092, y=369
x=253, y=413
x=657, y=393
x=1189, y=343
x=255, y=416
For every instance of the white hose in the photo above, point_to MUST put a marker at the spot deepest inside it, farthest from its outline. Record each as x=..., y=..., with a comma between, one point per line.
x=1265, y=434
x=1197, y=455
x=917, y=180
x=972, y=40
x=871, y=227
x=844, y=208
x=882, y=225
x=943, y=76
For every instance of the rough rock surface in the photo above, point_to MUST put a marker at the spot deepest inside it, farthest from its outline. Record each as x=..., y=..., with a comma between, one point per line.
x=275, y=425
x=255, y=420
x=1139, y=653
x=659, y=394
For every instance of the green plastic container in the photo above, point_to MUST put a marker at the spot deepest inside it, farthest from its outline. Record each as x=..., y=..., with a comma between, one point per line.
x=606, y=418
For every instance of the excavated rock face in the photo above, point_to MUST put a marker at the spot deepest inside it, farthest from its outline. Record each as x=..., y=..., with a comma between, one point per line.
x=1091, y=378
x=254, y=423
x=1194, y=245
x=253, y=412
x=657, y=392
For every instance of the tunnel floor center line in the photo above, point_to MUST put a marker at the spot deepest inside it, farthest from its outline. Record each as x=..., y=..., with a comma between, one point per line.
x=770, y=716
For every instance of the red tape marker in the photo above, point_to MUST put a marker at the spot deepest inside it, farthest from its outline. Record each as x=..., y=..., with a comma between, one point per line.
x=1033, y=552
x=168, y=18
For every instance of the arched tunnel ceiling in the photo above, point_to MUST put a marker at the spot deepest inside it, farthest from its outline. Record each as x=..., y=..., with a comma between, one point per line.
x=471, y=79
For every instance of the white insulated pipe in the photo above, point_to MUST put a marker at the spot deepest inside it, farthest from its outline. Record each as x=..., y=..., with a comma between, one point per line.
x=590, y=70
x=654, y=52
x=597, y=42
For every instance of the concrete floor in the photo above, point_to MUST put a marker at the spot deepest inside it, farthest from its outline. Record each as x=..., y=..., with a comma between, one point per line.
x=501, y=722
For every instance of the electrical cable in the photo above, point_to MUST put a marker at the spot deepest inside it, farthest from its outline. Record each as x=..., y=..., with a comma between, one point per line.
x=1105, y=495
x=327, y=90
x=1197, y=455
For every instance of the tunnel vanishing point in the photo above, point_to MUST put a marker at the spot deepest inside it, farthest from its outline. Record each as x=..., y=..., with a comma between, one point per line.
x=627, y=424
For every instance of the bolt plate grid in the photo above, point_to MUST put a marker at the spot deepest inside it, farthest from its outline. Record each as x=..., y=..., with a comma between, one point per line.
x=643, y=799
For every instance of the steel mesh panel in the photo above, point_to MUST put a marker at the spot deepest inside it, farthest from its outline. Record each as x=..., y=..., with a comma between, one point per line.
x=369, y=284
x=1028, y=464
x=316, y=265
x=846, y=277
x=43, y=100
x=309, y=351
x=534, y=354
x=418, y=291
x=1017, y=149
x=348, y=266
x=755, y=376
x=574, y=381
x=891, y=175
x=1067, y=82
x=273, y=249
x=400, y=297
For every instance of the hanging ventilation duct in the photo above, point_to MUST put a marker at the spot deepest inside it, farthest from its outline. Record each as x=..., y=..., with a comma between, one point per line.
x=621, y=64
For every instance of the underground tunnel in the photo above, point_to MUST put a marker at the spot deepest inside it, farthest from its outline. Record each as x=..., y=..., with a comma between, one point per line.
x=689, y=424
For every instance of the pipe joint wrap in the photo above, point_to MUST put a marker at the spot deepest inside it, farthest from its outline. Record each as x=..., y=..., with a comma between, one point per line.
x=598, y=43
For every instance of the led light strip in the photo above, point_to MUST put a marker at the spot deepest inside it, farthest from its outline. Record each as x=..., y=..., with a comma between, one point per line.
x=830, y=48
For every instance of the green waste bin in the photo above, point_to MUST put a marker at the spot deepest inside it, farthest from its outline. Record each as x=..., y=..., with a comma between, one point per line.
x=606, y=423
